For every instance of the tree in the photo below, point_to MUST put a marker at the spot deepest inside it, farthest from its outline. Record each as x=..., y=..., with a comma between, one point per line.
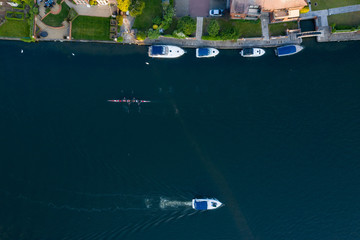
x=169, y=13
x=213, y=28
x=136, y=7
x=187, y=25
x=123, y=5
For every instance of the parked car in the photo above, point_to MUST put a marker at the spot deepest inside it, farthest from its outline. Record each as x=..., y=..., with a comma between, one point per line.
x=216, y=12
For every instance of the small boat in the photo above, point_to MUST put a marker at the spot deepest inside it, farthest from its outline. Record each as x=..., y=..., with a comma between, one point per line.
x=252, y=52
x=206, y=52
x=165, y=51
x=206, y=203
x=288, y=50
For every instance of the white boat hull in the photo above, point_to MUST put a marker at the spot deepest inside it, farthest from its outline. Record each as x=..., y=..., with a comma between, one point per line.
x=257, y=52
x=169, y=52
x=297, y=47
x=206, y=203
x=212, y=53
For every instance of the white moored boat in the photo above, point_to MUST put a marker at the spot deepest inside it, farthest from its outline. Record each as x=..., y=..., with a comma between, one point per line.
x=252, y=52
x=206, y=203
x=165, y=51
x=206, y=52
x=288, y=50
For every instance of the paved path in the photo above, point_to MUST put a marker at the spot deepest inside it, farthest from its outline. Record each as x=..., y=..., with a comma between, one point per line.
x=230, y=44
x=264, y=18
x=199, y=27
x=96, y=11
x=347, y=9
x=53, y=33
x=125, y=29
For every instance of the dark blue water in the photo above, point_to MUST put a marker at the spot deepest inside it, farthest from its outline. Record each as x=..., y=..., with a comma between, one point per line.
x=276, y=139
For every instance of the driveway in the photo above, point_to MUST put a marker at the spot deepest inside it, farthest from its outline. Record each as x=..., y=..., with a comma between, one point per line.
x=197, y=8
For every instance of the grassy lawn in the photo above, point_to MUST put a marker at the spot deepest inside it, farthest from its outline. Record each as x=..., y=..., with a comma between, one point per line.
x=91, y=28
x=326, y=4
x=245, y=29
x=56, y=20
x=152, y=9
x=15, y=28
x=345, y=19
x=279, y=29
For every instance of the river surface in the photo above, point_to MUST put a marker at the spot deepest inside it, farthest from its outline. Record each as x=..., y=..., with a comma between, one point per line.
x=276, y=139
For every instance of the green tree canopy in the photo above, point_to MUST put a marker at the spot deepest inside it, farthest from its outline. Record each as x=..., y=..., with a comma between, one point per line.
x=187, y=25
x=136, y=7
x=213, y=28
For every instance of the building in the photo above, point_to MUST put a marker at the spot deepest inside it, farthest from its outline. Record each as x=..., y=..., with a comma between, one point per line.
x=280, y=10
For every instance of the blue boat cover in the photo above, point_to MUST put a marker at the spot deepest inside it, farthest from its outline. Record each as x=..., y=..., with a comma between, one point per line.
x=286, y=50
x=200, y=205
x=157, y=50
x=248, y=51
x=203, y=52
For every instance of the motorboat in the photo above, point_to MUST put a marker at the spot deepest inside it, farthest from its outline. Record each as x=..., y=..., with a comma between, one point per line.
x=206, y=203
x=288, y=50
x=252, y=52
x=206, y=52
x=165, y=51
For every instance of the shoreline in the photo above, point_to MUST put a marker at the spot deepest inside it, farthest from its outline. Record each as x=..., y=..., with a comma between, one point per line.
x=291, y=38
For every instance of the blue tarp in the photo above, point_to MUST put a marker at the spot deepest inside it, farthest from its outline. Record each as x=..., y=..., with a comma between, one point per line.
x=157, y=50
x=200, y=205
x=203, y=52
x=286, y=50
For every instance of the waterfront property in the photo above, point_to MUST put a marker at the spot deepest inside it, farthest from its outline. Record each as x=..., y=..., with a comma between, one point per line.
x=280, y=29
x=153, y=9
x=15, y=28
x=91, y=28
x=280, y=10
x=56, y=20
x=326, y=4
x=345, y=21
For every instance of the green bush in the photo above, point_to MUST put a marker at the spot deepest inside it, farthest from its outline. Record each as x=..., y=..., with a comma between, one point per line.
x=120, y=39
x=213, y=28
x=93, y=2
x=187, y=25
x=157, y=20
x=140, y=36
x=14, y=15
x=153, y=34
x=229, y=34
x=35, y=10
x=136, y=7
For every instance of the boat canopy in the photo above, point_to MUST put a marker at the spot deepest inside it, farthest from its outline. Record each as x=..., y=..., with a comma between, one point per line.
x=200, y=205
x=248, y=51
x=203, y=52
x=157, y=50
x=286, y=50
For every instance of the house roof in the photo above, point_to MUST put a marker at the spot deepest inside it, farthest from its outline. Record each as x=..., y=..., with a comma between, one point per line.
x=281, y=4
x=242, y=6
